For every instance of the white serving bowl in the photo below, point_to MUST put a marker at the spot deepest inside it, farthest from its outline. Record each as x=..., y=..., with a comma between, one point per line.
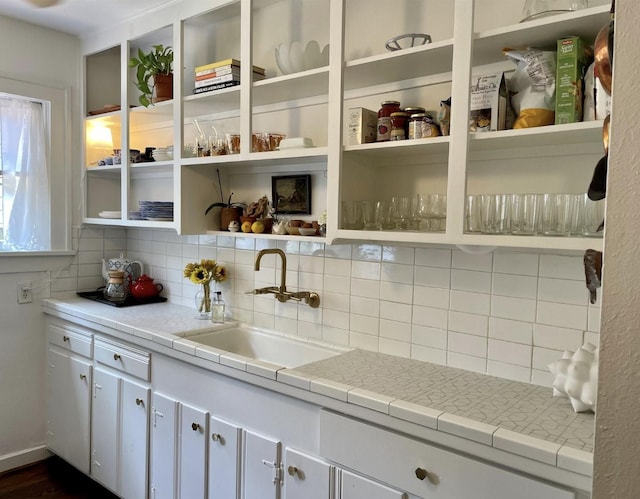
x=294, y=58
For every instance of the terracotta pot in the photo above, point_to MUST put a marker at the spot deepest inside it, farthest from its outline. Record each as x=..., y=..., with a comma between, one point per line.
x=163, y=87
x=268, y=225
x=228, y=215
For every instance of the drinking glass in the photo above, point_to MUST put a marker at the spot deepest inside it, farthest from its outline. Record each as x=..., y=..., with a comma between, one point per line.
x=383, y=215
x=524, y=214
x=495, y=213
x=473, y=213
x=352, y=215
x=591, y=216
x=400, y=212
x=369, y=215
x=557, y=214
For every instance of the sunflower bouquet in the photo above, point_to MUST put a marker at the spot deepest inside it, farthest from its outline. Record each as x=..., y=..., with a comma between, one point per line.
x=203, y=273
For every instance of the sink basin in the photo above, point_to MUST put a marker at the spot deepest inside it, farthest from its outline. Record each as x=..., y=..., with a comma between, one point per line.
x=268, y=346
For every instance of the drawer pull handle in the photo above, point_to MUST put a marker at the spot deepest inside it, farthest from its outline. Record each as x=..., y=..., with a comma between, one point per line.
x=65, y=338
x=116, y=356
x=195, y=426
x=292, y=470
x=83, y=377
x=139, y=401
x=421, y=473
x=216, y=437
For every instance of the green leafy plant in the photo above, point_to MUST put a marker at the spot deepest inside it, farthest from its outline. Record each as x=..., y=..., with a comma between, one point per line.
x=222, y=204
x=157, y=62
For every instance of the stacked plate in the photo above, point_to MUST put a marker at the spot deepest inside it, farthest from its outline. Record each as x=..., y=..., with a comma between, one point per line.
x=160, y=211
x=162, y=154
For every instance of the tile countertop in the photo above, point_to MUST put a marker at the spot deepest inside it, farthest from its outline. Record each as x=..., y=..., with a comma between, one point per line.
x=516, y=417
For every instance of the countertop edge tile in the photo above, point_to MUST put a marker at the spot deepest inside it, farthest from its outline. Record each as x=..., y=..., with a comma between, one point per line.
x=369, y=399
x=264, y=369
x=466, y=428
x=329, y=388
x=526, y=446
x=294, y=378
x=415, y=413
x=208, y=353
x=163, y=339
x=572, y=459
x=233, y=360
x=186, y=346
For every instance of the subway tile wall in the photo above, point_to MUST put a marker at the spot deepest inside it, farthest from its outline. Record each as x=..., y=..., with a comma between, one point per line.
x=506, y=313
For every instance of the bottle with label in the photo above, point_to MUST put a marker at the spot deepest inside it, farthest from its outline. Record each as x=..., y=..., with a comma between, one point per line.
x=217, y=308
x=384, y=119
x=398, y=125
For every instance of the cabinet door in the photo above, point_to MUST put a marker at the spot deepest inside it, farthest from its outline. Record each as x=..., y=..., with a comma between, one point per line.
x=68, y=409
x=306, y=477
x=105, y=428
x=224, y=459
x=359, y=487
x=193, y=453
x=135, y=438
x=261, y=467
x=164, y=431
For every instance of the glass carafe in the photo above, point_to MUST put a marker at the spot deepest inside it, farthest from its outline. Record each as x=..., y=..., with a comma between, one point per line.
x=115, y=289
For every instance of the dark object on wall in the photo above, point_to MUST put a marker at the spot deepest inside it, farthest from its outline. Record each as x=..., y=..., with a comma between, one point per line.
x=598, y=186
x=291, y=194
x=593, y=272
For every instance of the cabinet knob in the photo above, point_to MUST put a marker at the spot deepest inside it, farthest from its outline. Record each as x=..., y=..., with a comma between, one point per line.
x=421, y=473
x=139, y=401
x=292, y=470
x=195, y=426
x=83, y=377
x=65, y=338
x=116, y=356
x=216, y=437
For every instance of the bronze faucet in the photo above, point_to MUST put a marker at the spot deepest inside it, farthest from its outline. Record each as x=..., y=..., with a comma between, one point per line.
x=311, y=298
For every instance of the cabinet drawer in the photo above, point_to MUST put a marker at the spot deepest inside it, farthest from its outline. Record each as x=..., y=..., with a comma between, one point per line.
x=400, y=460
x=123, y=358
x=72, y=339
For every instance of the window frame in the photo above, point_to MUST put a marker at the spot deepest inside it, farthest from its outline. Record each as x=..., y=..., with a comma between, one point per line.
x=58, y=121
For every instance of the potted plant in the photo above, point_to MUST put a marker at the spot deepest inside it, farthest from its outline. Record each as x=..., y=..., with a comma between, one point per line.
x=229, y=212
x=155, y=67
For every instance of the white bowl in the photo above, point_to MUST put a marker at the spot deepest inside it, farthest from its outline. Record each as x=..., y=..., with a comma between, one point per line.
x=294, y=58
x=307, y=231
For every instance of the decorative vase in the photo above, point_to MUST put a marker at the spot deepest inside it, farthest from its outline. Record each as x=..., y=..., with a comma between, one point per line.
x=163, y=87
x=228, y=215
x=203, y=302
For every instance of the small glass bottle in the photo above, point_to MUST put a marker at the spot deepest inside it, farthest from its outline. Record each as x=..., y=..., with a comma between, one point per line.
x=217, y=308
x=398, y=125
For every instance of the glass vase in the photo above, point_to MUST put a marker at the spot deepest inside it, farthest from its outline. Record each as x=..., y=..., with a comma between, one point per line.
x=203, y=302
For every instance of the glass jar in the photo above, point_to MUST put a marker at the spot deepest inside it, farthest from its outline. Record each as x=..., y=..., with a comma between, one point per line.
x=423, y=125
x=384, y=119
x=398, y=125
x=115, y=290
x=411, y=110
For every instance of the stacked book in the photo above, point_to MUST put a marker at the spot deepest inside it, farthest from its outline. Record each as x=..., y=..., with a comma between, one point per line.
x=221, y=74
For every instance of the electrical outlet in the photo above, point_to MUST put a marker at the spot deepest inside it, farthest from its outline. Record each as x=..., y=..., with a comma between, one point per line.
x=24, y=292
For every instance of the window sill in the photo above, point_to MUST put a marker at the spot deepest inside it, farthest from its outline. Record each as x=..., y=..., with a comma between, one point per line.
x=12, y=262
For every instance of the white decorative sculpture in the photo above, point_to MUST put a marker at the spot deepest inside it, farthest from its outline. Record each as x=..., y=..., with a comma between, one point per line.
x=576, y=377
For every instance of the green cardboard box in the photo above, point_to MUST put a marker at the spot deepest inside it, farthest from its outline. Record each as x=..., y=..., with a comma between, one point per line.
x=573, y=58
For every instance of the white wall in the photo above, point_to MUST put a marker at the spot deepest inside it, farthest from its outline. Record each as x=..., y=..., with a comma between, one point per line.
x=37, y=55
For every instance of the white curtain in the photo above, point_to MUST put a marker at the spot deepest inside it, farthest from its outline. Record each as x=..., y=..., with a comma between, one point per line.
x=25, y=173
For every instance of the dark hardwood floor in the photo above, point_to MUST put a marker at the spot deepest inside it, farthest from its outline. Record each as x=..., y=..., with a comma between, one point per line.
x=51, y=479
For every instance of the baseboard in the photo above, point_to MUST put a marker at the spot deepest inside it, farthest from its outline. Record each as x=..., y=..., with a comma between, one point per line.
x=23, y=457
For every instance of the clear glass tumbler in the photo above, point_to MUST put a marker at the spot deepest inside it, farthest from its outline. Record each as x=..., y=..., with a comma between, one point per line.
x=524, y=214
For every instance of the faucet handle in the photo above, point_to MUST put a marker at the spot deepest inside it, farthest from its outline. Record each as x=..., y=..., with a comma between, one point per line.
x=251, y=292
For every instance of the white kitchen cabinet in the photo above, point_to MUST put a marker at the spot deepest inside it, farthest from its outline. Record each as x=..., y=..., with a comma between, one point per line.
x=134, y=451
x=354, y=486
x=262, y=469
x=163, y=447
x=69, y=407
x=307, y=477
x=225, y=450
x=193, y=434
x=105, y=428
x=423, y=469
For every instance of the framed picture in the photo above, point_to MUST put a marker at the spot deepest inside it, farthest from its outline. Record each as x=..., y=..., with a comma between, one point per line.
x=291, y=194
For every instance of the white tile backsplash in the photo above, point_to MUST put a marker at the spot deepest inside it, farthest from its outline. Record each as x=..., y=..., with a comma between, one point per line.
x=509, y=314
